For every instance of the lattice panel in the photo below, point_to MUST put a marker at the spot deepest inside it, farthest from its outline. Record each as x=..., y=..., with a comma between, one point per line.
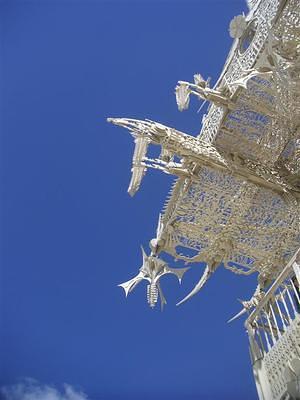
x=256, y=225
x=211, y=123
x=253, y=134
x=286, y=28
x=288, y=25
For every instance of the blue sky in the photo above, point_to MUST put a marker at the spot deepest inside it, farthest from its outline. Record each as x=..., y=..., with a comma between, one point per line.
x=71, y=233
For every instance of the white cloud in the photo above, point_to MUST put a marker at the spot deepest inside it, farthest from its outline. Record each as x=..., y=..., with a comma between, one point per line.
x=30, y=389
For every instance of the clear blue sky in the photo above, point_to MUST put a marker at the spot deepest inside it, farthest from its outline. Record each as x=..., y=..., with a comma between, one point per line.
x=71, y=233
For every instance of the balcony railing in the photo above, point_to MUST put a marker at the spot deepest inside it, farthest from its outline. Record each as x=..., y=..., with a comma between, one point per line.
x=274, y=334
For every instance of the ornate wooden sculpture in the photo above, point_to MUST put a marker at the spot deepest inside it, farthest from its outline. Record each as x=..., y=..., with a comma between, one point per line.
x=235, y=201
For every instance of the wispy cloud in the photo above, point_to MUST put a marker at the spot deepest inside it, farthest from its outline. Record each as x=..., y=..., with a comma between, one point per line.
x=30, y=389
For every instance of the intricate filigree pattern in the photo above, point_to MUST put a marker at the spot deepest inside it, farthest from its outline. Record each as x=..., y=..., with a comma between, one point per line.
x=255, y=221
